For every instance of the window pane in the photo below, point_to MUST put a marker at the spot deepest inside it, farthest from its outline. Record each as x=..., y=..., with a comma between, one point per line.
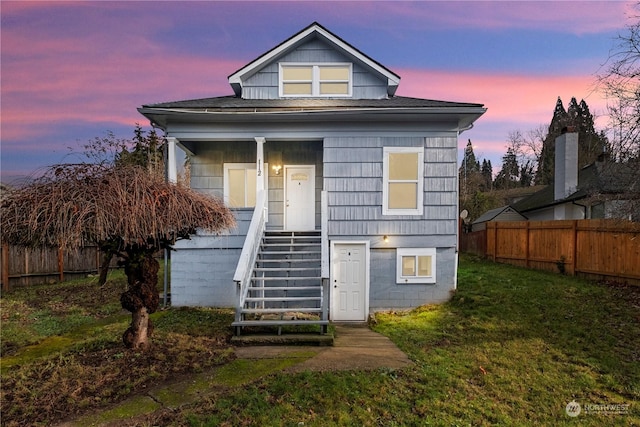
x=236, y=188
x=403, y=195
x=408, y=266
x=334, y=88
x=334, y=73
x=251, y=188
x=424, y=266
x=403, y=166
x=297, y=73
x=296, y=88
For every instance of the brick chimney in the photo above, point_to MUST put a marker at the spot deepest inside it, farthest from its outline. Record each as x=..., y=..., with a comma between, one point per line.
x=566, y=168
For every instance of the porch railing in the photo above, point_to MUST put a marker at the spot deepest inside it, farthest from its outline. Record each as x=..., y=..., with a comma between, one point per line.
x=324, y=258
x=247, y=260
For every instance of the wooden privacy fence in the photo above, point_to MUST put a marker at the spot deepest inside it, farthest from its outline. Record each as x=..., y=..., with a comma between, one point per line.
x=589, y=248
x=27, y=266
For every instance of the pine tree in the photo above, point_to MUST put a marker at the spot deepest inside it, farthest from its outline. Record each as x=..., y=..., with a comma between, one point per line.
x=545, y=172
x=509, y=175
x=487, y=176
x=469, y=173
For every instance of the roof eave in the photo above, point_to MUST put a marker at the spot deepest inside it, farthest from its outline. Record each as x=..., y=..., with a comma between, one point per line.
x=463, y=116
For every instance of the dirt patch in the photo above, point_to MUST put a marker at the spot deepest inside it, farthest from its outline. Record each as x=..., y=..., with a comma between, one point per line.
x=91, y=380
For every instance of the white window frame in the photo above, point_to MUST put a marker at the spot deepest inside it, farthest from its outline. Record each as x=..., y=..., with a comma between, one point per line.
x=243, y=166
x=415, y=252
x=315, y=81
x=386, y=210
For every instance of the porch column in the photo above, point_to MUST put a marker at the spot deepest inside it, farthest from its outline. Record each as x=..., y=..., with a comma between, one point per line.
x=260, y=140
x=172, y=170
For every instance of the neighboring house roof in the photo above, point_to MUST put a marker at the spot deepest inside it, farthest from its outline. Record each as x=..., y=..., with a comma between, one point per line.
x=494, y=213
x=598, y=178
x=237, y=78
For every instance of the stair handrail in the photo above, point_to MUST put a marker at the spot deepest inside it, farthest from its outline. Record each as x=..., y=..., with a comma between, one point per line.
x=250, y=249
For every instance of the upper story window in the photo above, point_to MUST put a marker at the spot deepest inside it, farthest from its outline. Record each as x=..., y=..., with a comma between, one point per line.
x=402, y=181
x=315, y=80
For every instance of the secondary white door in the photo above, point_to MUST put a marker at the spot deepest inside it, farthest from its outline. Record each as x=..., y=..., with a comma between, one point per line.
x=300, y=200
x=349, y=282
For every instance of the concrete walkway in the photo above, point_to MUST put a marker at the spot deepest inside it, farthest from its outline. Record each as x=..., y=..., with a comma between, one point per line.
x=355, y=347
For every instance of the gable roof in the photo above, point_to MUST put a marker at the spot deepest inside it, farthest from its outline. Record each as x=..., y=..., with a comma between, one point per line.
x=493, y=213
x=314, y=30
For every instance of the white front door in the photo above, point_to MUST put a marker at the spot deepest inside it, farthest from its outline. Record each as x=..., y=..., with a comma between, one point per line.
x=349, y=282
x=300, y=198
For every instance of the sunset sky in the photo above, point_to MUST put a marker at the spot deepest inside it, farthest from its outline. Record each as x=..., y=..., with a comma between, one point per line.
x=71, y=71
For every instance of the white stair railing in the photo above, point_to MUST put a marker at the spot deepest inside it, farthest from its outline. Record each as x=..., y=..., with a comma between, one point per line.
x=244, y=269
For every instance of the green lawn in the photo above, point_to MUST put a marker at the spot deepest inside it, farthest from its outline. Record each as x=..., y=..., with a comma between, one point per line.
x=513, y=347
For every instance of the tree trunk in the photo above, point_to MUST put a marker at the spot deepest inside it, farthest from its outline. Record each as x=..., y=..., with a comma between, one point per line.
x=104, y=267
x=137, y=336
x=142, y=297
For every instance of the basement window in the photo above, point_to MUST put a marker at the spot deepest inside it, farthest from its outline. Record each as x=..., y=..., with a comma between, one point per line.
x=310, y=80
x=416, y=265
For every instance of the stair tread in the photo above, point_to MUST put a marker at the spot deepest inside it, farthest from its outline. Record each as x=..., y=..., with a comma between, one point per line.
x=286, y=268
x=260, y=279
x=284, y=260
x=281, y=310
x=283, y=288
x=279, y=322
x=276, y=299
x=288, y=252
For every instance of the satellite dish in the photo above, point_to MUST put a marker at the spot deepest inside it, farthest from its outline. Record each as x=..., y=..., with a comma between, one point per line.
x=464, y=214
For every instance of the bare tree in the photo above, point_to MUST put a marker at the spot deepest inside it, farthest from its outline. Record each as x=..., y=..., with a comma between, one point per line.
x=132, y=211
x=620, y=82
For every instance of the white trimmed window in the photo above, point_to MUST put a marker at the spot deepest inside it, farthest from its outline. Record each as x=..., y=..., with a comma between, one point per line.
x=240, y=184
x=416, y=265
x=321, y=80
x=402, y=191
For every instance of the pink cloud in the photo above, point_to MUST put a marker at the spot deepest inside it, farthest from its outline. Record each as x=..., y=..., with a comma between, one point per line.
x=517, y=98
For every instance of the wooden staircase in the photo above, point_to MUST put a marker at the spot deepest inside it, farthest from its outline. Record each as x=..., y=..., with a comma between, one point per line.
x=286, y=285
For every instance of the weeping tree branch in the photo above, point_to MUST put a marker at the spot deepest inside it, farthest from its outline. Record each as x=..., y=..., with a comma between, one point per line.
x=126, y=211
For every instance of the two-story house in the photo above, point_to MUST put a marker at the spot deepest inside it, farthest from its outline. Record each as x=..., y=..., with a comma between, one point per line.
x=345, y=194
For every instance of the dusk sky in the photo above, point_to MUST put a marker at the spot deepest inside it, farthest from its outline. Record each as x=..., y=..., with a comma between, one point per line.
x=71, y=71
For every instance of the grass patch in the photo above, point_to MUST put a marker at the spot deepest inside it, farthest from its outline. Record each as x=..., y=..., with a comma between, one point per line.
x=512, y=347
x=63, y=353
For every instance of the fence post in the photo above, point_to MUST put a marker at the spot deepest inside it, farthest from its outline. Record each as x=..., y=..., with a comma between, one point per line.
x=574, y=261
x=526, y=249
x=5, y=267
x=61, y=264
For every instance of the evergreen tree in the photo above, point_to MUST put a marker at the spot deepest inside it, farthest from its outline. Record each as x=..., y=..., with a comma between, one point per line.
x=590, y=143
x=545, y=172
x=469, y=173
x=487, y=175
x=509, y=175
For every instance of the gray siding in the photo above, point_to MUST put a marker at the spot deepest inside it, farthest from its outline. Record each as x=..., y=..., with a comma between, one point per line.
x=264, y=84
x=385, y=294
x=353, y=179
x=207, y=169
x=202, y=268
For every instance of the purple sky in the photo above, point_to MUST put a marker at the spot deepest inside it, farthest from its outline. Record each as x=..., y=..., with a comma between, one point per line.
x=72, y=71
